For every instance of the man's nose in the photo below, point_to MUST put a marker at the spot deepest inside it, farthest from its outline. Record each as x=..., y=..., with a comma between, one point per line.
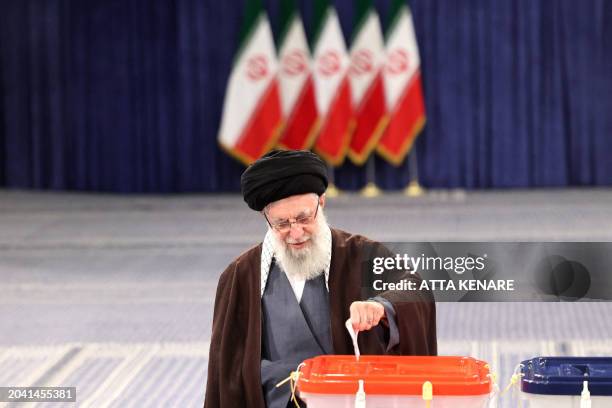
x=296, y=231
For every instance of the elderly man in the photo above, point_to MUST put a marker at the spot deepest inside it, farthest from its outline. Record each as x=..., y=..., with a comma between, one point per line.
x=287, y=299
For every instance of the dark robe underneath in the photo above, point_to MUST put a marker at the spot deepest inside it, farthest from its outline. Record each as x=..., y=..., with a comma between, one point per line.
x=234, y=378
x=292, y=331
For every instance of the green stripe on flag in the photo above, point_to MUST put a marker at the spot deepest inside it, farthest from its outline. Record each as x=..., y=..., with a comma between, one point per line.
x=361, y=13
x=394, y=13
x=288, y=12
x=321, y=8
x=252, y=11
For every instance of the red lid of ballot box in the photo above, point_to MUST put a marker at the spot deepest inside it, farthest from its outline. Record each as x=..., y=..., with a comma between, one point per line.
x=395, y=375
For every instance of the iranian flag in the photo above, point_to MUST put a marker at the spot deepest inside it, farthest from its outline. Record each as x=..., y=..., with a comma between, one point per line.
x=252, y=115
x=366, y=77
x=296, y=82
x=403, y=91
x=332, y=88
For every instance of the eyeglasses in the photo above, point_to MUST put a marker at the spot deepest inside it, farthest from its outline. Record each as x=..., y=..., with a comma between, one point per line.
x=285, y=225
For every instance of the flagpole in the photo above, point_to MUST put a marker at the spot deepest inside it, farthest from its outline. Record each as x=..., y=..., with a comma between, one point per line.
x=414, y=188
x=332, y=191
x=371, y=189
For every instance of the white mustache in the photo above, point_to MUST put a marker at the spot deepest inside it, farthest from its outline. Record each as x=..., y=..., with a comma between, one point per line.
x=297, y=241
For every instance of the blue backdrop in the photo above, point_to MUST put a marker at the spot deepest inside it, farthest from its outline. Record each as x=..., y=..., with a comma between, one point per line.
x=126, y=95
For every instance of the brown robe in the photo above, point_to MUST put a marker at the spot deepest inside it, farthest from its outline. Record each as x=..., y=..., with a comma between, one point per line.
x=235, y=348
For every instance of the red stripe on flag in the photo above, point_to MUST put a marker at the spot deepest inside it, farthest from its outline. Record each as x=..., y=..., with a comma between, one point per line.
x=263, y=127
x=407, y=120
x=335, y=134
x=370, y=122
x=300, y=129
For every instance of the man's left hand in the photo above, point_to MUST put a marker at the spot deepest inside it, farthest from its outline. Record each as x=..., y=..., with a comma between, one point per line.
x=365, y=315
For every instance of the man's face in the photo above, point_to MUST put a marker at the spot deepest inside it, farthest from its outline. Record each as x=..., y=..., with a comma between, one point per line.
x=293, y=219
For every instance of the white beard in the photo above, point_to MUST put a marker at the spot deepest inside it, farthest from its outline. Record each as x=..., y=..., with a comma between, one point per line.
x=308, y=262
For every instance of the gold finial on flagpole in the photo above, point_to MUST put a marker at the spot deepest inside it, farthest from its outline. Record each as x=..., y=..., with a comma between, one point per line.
x=332, y=191
x=414, y=188
x=371, y=190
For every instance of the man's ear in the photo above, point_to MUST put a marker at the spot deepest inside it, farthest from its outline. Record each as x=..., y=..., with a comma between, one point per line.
x=322, y=200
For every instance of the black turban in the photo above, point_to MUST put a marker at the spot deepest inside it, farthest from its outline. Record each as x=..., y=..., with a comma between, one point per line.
x=280, y=174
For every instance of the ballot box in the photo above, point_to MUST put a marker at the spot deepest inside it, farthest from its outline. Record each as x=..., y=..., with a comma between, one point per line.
x=567, y=382
x=395, y=381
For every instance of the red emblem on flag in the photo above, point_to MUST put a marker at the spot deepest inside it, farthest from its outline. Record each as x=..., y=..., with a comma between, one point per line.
x=328, y=64
x=397, y=61
x=362, y=62
x=294, y=63
x=257, y=67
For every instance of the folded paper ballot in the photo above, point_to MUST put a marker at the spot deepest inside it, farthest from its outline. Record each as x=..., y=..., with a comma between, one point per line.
x=353, y=334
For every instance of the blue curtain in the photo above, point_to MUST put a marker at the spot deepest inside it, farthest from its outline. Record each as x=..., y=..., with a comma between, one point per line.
x=126, y=95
